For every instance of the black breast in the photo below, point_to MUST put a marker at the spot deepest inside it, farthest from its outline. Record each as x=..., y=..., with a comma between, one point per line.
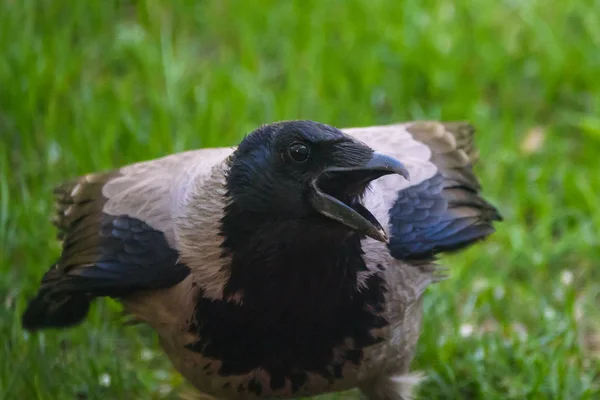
x=299, y=303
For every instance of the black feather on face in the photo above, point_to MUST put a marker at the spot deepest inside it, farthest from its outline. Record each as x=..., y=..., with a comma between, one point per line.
x=273, y=167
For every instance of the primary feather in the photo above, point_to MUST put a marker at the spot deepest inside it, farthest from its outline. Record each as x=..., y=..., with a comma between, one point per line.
x=253, y=300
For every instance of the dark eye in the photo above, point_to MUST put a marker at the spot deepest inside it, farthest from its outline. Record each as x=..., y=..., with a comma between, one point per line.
x=298, y=152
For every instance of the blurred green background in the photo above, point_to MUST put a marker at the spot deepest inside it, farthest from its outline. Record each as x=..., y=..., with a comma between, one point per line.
x=92, y=85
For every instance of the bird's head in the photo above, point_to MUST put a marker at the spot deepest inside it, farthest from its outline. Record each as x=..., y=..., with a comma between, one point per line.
x=304, y=170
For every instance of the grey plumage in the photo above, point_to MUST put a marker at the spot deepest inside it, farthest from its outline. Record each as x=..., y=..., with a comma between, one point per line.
x=158, y=235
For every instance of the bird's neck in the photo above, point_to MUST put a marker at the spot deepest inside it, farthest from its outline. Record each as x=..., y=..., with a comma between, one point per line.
x=279, y=263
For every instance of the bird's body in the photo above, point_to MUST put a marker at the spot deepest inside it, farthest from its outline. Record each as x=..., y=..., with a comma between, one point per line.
x=252, y=293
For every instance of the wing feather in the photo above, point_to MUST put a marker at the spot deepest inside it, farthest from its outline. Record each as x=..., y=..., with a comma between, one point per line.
x=440, y=208
x=117, y=226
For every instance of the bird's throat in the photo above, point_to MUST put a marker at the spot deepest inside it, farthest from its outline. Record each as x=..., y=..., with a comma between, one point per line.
x=290, y=266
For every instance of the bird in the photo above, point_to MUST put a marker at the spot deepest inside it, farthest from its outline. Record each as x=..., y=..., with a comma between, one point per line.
x=291, y=265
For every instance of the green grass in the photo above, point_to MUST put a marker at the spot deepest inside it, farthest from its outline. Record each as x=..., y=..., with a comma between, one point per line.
x=86, y=86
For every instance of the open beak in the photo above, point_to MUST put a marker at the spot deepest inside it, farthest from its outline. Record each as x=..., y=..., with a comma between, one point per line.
x=336, y=191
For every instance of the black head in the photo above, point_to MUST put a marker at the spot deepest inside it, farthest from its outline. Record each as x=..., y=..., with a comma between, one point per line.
x=304, y=170
x=307, y=171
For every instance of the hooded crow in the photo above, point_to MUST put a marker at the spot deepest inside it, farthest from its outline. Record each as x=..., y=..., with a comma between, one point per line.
x=290, y=266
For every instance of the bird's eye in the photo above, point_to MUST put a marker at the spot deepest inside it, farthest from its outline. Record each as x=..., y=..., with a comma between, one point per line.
x=298, y=152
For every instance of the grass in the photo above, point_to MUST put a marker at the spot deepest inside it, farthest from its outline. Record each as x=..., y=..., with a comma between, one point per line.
x=87, y=86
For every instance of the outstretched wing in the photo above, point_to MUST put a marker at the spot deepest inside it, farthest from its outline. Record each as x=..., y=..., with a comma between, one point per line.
x=440, y=208
x=118, y=229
